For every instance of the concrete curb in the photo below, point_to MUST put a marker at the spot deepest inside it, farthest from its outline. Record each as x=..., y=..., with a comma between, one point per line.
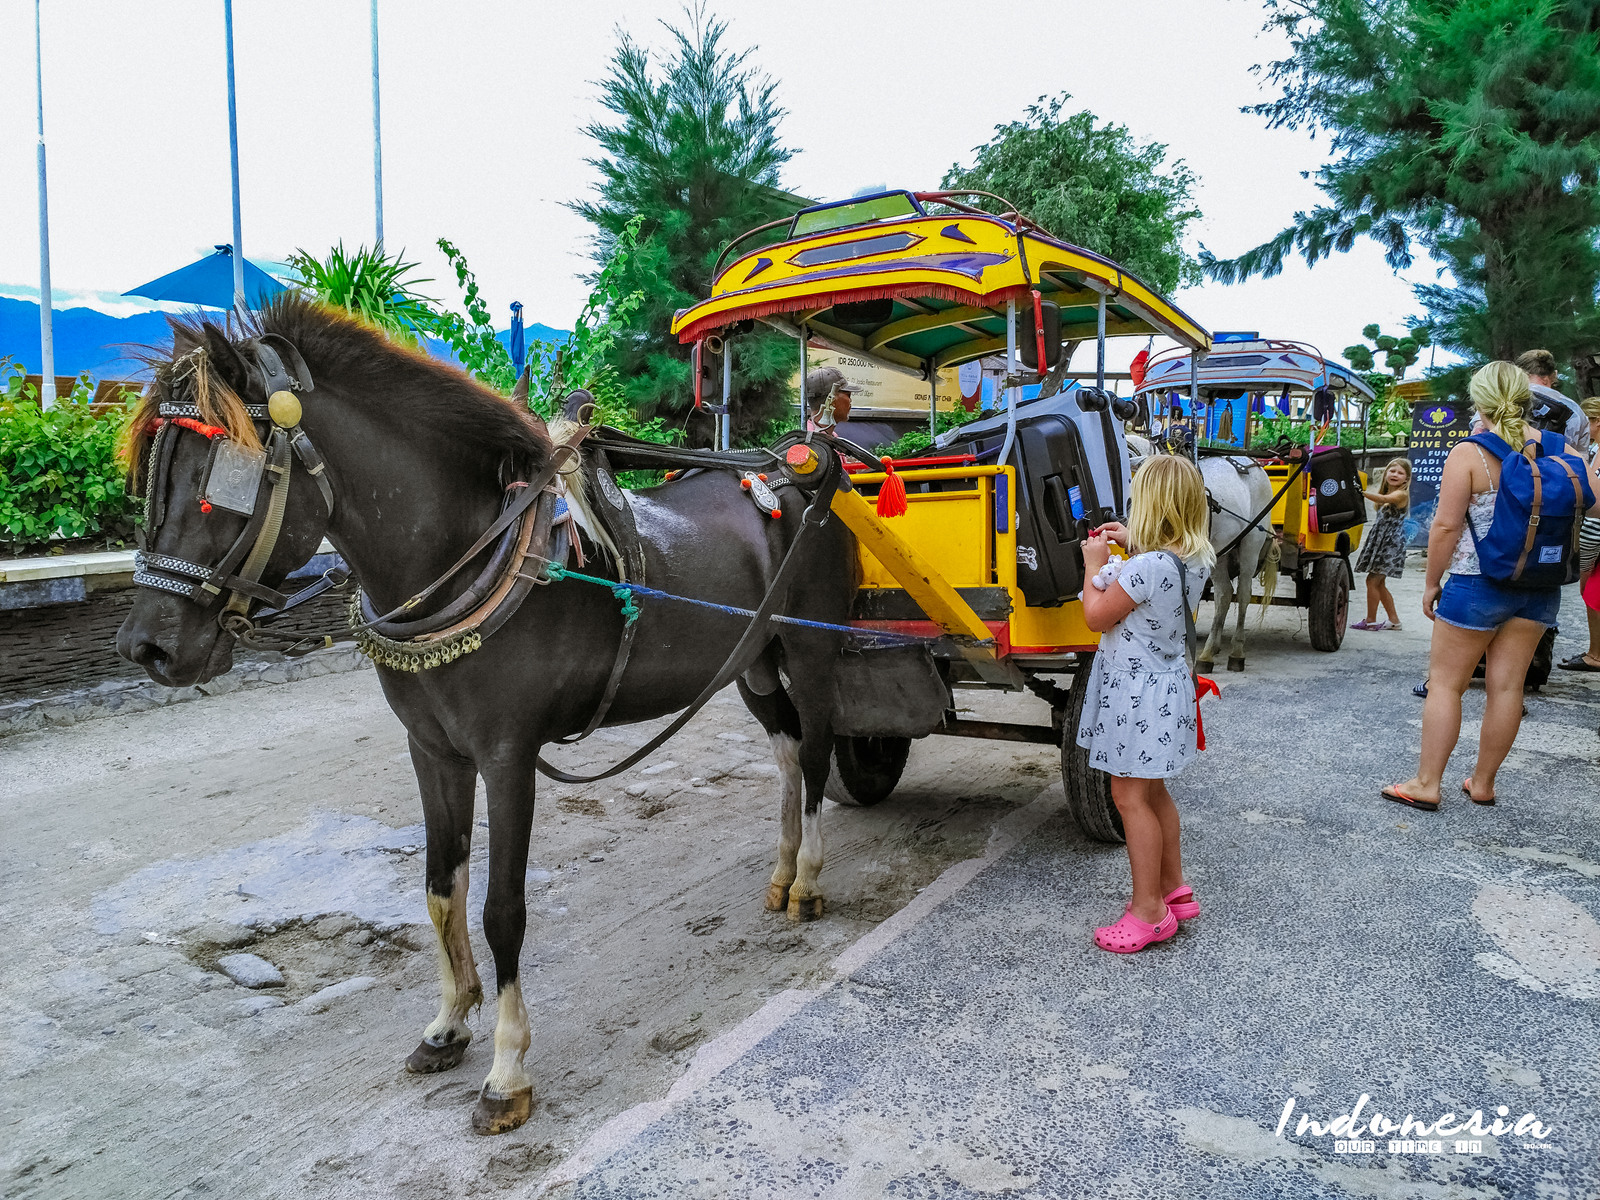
x=722, y=1052
x=135, y=695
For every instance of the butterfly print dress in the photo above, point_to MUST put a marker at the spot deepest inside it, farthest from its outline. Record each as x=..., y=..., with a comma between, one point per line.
x=1139, y=714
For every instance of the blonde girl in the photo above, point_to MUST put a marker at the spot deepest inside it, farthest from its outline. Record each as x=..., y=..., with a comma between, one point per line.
x=1139, y=719
x=1383, y=548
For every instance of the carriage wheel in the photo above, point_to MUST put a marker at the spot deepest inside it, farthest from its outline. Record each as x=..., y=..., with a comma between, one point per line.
x=1330, y=603
x=1088, y=791
x=864, y=770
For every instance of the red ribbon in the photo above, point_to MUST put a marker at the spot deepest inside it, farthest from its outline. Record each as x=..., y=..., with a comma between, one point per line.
x=1202, y=685
x=210, y=431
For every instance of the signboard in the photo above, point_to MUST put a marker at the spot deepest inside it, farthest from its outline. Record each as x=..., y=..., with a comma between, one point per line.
x=880, y=388
x=1436, y=427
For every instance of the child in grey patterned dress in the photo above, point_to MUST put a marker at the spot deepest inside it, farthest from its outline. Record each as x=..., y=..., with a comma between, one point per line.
x=1383, y=547
x=1139, y=720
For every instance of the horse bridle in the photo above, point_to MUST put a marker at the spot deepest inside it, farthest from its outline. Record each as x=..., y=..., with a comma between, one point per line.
x=237, y=576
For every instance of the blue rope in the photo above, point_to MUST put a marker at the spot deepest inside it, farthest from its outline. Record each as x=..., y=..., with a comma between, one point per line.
x=625, y=593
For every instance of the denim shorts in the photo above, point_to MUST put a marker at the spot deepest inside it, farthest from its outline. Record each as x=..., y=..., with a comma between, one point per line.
x=1473, y=602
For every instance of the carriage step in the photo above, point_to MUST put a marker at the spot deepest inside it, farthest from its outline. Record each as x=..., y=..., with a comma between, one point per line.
x=1001, y=731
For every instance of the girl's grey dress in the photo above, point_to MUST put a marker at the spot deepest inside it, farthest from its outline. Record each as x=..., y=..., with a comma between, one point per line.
x=1139, y=713
x=1383, y=545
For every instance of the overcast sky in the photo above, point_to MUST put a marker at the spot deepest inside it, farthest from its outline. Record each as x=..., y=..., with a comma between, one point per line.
x=484, y=105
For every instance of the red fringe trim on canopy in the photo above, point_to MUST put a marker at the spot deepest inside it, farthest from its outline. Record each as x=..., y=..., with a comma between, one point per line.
x=919, y=291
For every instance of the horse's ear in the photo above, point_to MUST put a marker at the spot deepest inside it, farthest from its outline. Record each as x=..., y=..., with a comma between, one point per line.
x=226, y=360
x=184, y=339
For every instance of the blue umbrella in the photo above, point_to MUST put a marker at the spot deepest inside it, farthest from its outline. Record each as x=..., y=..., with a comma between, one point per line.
x=519, y=345
x=209, y=283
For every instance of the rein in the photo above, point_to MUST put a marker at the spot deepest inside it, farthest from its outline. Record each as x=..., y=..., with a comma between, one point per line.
x=750, y=644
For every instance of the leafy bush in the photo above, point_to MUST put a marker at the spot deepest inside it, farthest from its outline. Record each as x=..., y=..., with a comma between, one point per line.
x=59, y=475
x=917, y=440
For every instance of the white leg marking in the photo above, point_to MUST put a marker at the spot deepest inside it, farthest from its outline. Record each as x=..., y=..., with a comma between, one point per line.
x=786, y=752
x=459, y=989
x=810, y=858
x=511, y=1041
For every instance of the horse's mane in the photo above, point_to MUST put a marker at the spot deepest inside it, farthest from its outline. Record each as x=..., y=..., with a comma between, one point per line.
x=415, y=392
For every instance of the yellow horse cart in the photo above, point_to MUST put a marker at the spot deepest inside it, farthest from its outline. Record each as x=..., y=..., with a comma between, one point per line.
x=986, y=556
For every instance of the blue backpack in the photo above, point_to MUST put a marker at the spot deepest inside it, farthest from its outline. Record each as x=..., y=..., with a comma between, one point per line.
x=1532, y=542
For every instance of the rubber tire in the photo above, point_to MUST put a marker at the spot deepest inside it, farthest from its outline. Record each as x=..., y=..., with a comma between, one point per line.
x=1088, y=790
x=862, y=771
x=1329, y=610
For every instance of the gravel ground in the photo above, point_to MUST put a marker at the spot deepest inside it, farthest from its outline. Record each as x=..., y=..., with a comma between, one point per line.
x=947, y=1030
x=1352, y=955
x=284, y=822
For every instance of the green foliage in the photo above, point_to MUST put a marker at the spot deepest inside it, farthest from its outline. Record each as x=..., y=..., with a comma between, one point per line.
x=691, y=162
x=1271, y=430
x=1092, y=185
x=919, y=439
x=368, y=284
x=1470, y=127
x=472, y=337
x=584, y=360
x=1398, y=353
x=59, y=474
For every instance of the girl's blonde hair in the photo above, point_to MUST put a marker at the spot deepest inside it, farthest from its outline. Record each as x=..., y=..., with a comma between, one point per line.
x=1591, y=407
x=1399, y=462
x=1501, y=395
x=1168, y=509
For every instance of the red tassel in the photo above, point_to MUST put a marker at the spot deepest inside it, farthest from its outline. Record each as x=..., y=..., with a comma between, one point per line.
x=892, y=495
x=205, y=506
x=1202, y=685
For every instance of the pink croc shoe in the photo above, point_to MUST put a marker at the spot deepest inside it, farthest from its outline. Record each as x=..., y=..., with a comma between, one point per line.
x=1184, y=910
x=1130, y=935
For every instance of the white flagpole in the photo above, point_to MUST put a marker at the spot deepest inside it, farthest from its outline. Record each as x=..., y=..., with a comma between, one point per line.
x=377, y=131
x=233, y=159
x=47, y=344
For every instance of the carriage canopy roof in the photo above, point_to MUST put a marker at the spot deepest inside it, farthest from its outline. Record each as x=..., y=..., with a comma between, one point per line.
x=883, y=277
x=1256, y=365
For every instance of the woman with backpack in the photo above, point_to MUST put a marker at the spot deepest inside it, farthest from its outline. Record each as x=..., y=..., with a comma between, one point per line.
x=1506, y=528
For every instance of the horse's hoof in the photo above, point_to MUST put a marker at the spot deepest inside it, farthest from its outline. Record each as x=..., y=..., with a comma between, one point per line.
x=1236, y=664
x=428, y=1057
x=808, y=909
x=777, y=898
x=1204, y=664
x=495, y=1113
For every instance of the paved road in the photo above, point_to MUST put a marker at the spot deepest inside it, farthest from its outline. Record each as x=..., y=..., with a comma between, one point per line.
x=1433, y=963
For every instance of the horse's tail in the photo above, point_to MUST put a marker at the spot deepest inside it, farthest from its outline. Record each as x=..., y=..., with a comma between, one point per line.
x=1270, y=558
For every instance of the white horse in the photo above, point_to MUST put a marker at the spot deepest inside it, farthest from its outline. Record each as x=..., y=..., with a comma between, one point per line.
x=1237, y=489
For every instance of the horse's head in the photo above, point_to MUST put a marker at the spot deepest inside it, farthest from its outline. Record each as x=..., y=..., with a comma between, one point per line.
x=231, y=507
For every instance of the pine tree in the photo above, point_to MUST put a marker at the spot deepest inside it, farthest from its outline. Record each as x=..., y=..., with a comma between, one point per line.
x=695, y=154
x=1468, y=127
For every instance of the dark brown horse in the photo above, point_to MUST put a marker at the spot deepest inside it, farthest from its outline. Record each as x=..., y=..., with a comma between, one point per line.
x=416, y=454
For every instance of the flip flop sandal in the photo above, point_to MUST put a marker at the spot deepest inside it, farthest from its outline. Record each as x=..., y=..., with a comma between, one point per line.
x=1374, y=626
x=1421, y=690
x=1466, y=788
x=1399, y=797
x=1130, y=935
x=1578, y=662
x=1185, y=910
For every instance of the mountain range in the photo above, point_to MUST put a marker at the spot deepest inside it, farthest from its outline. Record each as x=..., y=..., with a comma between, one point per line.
x=92, y=341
